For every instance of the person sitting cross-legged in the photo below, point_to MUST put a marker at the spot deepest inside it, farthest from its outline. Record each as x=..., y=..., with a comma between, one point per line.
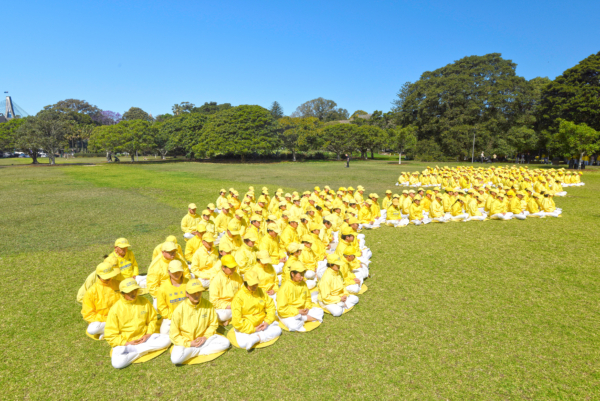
x=170, y=294
x=194, y=326
x=332, y=290
x=98, y=300
x=223, y=288
x=131, y=327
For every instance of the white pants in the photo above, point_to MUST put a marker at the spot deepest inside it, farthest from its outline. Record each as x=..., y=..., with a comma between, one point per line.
x=500, y=216
x=419, y=222
x=520, y=216
x=223, y=314
x=371, y=226
x=141, y=281
x=360, y=236
x=321, y=270
x=249, y=340
x=563, y=193
x=383, y=214
x=353, y=288
x=314, y=296
x=442, y=219
x=311, y=282
x=397, y=223
x=95, y=328
x=296, y=323
x=278, y=267
x=212, y=345
x=188, y=235
x=337, y=309
x=123, y=356
x=462, y=216
x=477, y=218
x=205, y=282
x=165, y=326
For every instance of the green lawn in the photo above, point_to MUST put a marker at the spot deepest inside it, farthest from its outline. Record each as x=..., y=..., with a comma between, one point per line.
x=478, y=310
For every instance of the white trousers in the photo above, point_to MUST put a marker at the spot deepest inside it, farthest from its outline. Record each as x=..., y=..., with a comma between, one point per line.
x=520, y=216
x=477, y=218
x=337, y=309
x=278, y=267
x=419, y=222
x=296, y=323
x=500, y=216
x=383, y=214
x=563, y=193
x=249, y=340
x=371, y=226
x=398, y=223
x=188, y=235
x=462, y=216
x=96, y=328
x=321, y=270
x=224, y=314
x=212, y=345
x=123, y=356
x=442, y=219
x=165, y=326
x=141, y=281
x=311, y=281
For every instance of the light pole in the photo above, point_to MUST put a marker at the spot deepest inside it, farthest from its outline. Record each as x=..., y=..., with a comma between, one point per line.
x=473, y=151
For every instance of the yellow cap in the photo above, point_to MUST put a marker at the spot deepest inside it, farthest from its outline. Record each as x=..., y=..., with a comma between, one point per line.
x=264, y=256
x=206, y=212
x=208, y=237
x=251, y=236
x=350, y=250
x=106, y=271
x=273, y=227
x=175, y=266
x=225, y=246
x=192, y=206
x=193, y=286
x=294, y=247
x=228, y=261
x=128, y=285
x=233, y=228
x=171, y=238
x=347, y=231
x=334, y=259
x=122, y=243
x=307, y=238
x=297, y=266
x=201, y=228
x=352, y=220
x=211, y=206
x=314, y=226
x=168, y=246
x=251, y=278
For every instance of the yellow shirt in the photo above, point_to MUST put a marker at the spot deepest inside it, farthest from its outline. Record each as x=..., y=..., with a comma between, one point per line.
x=191, y=321
x=191, y=247
x=292, y=297
x=249, y=309
x=221, y=222
x=205, y=263
x=158, y=251
x=169, y=297
x=436, y=209
x=331, y=287
x=393, y=213
x=288, y=236
x=415, y=212
x=245, y=257
x=127, y=264
x=98, y=300
x=190, y=222
x=473, y=208
x=271, y=245
x=235, y=242
x=158, y=272
x=267, y=277
x=308, y=259
x=223, y=288
x=129, y=320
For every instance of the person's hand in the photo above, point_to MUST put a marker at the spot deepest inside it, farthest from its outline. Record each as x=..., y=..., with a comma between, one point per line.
x=261, y=327
x=344, y=298
x=357, y=281
x=198, y=342
x=228, y=307
x=141, y=340
x=271, y=292
x=303, y=312
x=282, y=260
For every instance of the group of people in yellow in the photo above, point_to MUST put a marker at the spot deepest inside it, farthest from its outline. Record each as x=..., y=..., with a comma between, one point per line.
x=267, y=263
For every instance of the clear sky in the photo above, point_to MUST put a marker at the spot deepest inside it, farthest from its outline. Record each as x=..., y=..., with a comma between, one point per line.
x=153, y=54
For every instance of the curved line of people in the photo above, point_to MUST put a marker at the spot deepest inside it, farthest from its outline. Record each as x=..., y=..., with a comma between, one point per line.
x=262, y=260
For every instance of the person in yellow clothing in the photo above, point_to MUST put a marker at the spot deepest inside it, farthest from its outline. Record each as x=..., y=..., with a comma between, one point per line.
x=131, y=327
x=533, y=209
x=222, y=200
x=290, y=233
x=309, y=259
x=415, y=214
x=159, y=268
x=436, y=210
x=232, y=237
x=394, y=215
x=515, y=205
x=205, y=263
x=194, y=327
x=124, y=259
x=190, y=222
x=170, y=294
x=271, y=243
x=222, y=220
x=558, y=189
x=294, y=304
x=294, y=250
x=472, y=209
x=498, y=209
x=245, y=256
x=457, y=211
x=171, y=238
x=548, y=206
x=352, y=272
x=386, y=202
x=223, y=288
x=267, y=276
x=253, y=314
x=101, y=296
x=365, y=215
x=193, y=244
x=333, y=295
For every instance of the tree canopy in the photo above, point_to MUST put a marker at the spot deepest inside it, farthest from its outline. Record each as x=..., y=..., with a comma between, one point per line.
x=135, y=113
x=323, y=109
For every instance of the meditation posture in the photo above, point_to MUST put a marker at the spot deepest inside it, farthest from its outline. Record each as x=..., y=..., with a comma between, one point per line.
x=170, y=294
x=101, y=296
x=223, y=288
x=332, y=290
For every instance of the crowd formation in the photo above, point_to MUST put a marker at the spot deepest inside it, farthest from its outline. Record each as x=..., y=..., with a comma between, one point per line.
x=281, y=262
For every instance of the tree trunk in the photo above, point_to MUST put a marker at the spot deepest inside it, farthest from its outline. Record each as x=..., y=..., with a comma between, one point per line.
x=338, y=155
x=132, y=157
x=108, y=158
x=294, y=155
x=372, y=156
x=163, y=155
x=243, y=158
x=51, y=158
x=34, y=159
x=581, y=159
x=400, y=156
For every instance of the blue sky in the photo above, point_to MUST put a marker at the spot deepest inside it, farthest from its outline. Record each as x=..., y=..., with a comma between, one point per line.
x=150, y=54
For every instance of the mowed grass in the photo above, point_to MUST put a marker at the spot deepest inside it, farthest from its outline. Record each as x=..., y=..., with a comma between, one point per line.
x=478, y=310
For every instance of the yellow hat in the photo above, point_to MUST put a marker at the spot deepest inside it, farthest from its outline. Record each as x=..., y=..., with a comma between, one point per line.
x=239, y=213
x=206, y=212
x=193, y=286
x=211, y=206
x=251, y=236
x=128, y=285
x=192, y=206
x=347, y=231
x=175, y=266
x=208, y=237
x=317, y=189
x=297, y=266
x=234, y=229
x=225, y=246
x=369, y=202
x=122, y=243
x=307, y=238
x=511, y=193
x=201, y=228
x=222, y=190
x=350, y=250
x=171, y=238
x=273, y=227
x=168, y=246
x=106, y=271
x=228, y=261
x=388, y=191
x=264, y=256
x=251, y=278
x=374, y=195
x=352, y=220
x=294, y=247
x=334, y=259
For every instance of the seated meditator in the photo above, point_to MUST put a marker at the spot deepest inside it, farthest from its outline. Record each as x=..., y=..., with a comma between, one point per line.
x=158, y=272
x=124, y=259
x=223, y=288
x=170, y=294
x=99, y=298
x=333, y=295
x=190, y=222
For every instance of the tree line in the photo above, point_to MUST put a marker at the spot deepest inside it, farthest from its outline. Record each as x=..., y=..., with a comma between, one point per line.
x=475, y=103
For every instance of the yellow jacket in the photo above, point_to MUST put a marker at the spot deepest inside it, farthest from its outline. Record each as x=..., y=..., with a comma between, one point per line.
x=473, y=208
x=127, y=264
x=532, y=206
x=393, y=213
x=436, y=209
x=223, y=288
x=221, y=222
x=515, y=205
x=497, y=207
x=548, y=205
x=331, y=287
x=406, y=202
x=158, y=251
x=245, y=257
x=159, y=272
x=346, y=271
x=222, y=202
x=98, y=300
x=235, y=241
x=267, y=277
x=318, y=247
x=191, y=247
x=205, y=264
x=130, y=320
x=292, y=297
x=271, y=245
x=364, y=215
x=415, y=212
x=191, y=321
x=308, y=259
x=169, y=297
x=488, y=203
x=425, y=203
x=447, y=202
x=249, y=309
x=285, y=272
x=457, y=209
x=386, y=202
x=288, y=236
x=190, y=222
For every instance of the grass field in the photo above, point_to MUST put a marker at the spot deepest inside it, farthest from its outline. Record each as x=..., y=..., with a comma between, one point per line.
x=478, y=310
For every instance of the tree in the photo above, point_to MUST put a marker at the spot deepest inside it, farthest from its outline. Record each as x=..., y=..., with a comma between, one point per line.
x=26, y=138
x=241, y=130
x=276, y=110
x=183, y=107
x=358, y=113
x=135, y=113
x=338, y=138
x=135, y=136
x=297, y=133
x=368, y=138
x=403, y=139
x=479, y=95
x=78, y=106
x=211, y=108
x=48, y=131
x=107, y=117
x=106, y=138
x=323, y=109
x=573, y=96
x=580, y=139
x=180, y=134
x=8, y=133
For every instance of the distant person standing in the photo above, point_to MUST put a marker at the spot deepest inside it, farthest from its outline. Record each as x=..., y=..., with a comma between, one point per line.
x=482, y=156
x=494, y=158
x=347, y=160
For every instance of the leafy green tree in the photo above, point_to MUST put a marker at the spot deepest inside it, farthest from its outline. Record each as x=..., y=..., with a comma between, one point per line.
x=403, y=139
x=77, y=106
x=135, y=136
x=323, y=109
x=573, y=96
x=161, y=118
x=27, y=138
x=358, y=113
x=183, y=107
x=338, y=138
x=579, y=139
x=297, y=133
x=211, y=108
x=276, y=110
x=180, y=134
x=369, y=138
x=106, y=138
x=8, y=133
x=427, y=150
x=135, y=113
x=479, y=95
x=241, y=130
x=48, y=130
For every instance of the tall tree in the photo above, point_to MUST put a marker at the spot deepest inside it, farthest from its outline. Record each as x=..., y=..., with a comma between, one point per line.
x=403, y=139
x=48, y=131
x=276, y=110
x=106, y=138
x=241, y=130
x=181, y=133
x=211, y=108
x=370, y=138
x=107, y=117
x=297, y=133
x=358, y=113
x=323, y=109
x=76, y=105
x=183, y=107
x=135, y=136
x=338, y=138
x=135, y=113
x=8, y=133
x=579, y=139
